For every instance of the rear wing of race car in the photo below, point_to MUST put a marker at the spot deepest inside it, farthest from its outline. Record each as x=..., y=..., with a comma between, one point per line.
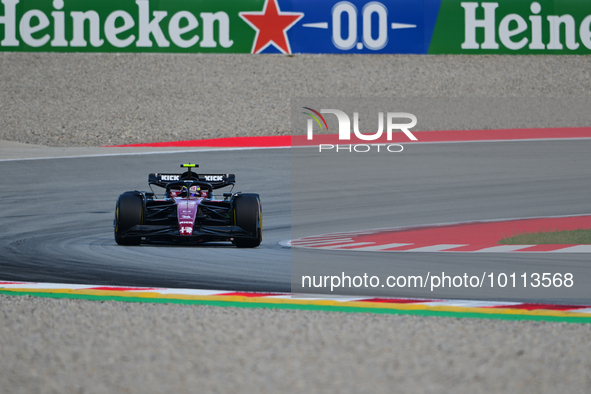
x=216, y=180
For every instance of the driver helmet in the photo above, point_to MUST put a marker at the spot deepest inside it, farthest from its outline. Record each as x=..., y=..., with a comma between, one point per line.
x=195, y=191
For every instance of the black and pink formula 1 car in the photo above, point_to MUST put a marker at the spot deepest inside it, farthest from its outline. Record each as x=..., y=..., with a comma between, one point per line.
x=188, y=212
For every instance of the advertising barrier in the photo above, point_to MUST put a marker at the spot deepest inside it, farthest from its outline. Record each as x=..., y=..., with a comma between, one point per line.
x=298, y=26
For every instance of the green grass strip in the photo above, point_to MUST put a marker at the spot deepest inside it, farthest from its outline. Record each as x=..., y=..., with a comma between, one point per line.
x=308, y=307
x=572, y=237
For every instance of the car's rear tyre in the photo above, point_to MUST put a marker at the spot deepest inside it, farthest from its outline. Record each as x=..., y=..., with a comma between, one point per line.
x=249, y=216
x=129, y=212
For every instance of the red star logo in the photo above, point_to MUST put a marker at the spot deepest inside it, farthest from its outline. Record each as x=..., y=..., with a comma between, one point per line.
x=271, y=26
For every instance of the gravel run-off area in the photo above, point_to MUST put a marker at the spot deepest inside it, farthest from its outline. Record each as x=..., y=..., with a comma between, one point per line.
x=72, y=346
x=111, y=99
x=75, y=346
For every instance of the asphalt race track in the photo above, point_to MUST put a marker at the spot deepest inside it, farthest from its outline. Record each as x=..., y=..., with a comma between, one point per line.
x=58, y=223
x=58, y=213
x=434, y=184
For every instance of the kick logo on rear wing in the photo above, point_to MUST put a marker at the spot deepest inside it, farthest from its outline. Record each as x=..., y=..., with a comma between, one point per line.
x=216, y=180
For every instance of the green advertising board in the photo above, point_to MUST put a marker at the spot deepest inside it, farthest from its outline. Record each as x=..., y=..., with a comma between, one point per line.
x=127, y=26
x=513, y=27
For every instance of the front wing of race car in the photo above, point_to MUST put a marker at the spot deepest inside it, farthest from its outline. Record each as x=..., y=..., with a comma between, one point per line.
x=200, y=234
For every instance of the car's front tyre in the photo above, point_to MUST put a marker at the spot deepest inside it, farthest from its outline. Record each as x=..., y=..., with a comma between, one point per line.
x=129, y=212
x=249, y=216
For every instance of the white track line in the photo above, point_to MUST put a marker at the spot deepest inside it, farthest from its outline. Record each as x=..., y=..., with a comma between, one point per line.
x=344, y=245
x=141, y=153
x=503, y=248
x=304, y=297
x=378, y=248
x=319, y=243
x=573, y=249
x=471, y=304
x=368, y=231
x=190, y=292
x=279, y=147
x=434, y=248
